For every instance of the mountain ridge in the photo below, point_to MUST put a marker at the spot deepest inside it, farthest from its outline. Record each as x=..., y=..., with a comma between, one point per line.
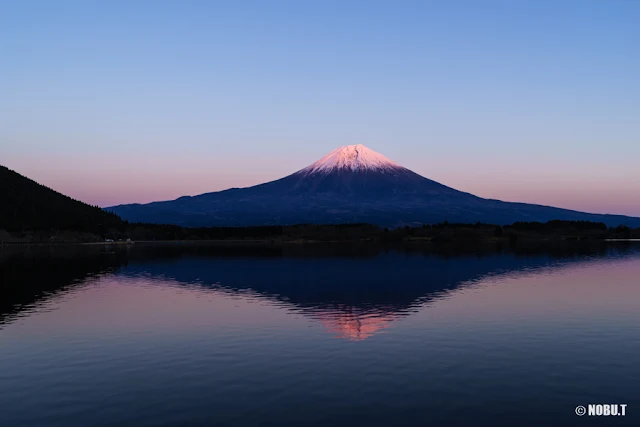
x=350, y=184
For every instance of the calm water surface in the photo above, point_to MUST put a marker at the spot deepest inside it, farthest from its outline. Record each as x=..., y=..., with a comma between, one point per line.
x=187, y=335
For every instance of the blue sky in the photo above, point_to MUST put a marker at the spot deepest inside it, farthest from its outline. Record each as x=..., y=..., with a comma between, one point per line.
x=125, y=101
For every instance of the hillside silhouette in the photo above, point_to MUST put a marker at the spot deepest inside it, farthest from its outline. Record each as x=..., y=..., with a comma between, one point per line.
x=27, y=205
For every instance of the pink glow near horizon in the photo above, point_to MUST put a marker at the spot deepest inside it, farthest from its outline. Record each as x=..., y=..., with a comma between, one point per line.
x=522, y=101
x=120, y=180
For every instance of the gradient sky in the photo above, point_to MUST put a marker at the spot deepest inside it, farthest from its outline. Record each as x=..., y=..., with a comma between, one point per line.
x=132, y=101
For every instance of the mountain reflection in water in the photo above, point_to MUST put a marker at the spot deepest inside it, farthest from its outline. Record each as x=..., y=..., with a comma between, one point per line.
x=354, y=291
x=192, y=335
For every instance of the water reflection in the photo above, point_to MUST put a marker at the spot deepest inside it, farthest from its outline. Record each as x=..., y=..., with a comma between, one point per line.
x=30, y=276
x=354, y=325
x=341, y=336
x=354, y=291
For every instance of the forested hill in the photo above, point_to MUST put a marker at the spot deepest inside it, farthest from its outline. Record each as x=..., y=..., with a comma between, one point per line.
x=27, y=205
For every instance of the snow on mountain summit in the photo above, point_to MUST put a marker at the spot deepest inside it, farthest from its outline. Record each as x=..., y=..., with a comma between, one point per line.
x=352, y=184
x=352, y=157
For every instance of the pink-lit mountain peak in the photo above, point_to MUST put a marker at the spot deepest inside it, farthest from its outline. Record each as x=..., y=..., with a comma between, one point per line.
x=352, y=184
x=354, y=158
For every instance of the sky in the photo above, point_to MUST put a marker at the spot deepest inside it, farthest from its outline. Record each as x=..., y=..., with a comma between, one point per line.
x=135, y=101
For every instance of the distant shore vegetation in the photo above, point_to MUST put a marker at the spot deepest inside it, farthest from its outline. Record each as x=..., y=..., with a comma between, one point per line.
x=442, y=232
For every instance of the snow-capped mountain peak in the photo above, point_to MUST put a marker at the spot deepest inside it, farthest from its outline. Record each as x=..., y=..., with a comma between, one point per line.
x=352, y=184
x=352, y=157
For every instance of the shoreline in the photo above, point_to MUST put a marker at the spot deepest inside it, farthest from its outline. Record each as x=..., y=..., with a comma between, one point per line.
x=295, y=242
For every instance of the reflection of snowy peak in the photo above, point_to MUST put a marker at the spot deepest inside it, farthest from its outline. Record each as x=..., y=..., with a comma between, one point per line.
x=352, y=157
x=350, y=184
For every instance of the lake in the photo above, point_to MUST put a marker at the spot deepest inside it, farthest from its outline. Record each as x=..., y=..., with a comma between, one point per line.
x=196, y=335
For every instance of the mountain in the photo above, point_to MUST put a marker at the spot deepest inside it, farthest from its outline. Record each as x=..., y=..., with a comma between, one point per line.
x=351, y=184
x=27, y=205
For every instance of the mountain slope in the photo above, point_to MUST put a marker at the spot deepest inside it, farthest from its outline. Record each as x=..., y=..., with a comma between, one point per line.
x=350, y=184
x=27, y=205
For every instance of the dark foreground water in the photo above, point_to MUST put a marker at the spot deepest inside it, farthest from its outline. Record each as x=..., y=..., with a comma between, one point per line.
x=339, y=336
